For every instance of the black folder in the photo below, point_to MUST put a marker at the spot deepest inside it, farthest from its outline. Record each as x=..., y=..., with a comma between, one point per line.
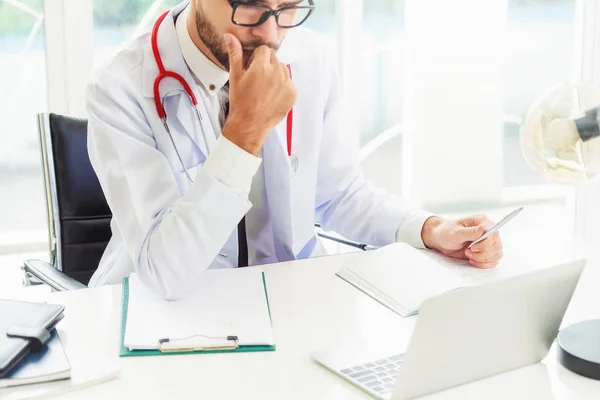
x=24, y=327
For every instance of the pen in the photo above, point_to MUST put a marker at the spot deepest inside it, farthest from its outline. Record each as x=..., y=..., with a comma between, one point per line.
x=496, y=227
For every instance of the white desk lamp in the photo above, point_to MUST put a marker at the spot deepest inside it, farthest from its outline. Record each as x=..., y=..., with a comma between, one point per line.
x=560, y=138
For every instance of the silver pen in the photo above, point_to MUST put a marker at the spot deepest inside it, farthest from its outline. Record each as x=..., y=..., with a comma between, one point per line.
x=496, y=227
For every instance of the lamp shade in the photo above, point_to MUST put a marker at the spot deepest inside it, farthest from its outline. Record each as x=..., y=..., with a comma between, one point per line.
x=560, y=134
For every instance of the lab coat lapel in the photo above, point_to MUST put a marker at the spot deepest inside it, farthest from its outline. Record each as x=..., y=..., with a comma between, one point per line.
x=278, y=190
x=188, y=119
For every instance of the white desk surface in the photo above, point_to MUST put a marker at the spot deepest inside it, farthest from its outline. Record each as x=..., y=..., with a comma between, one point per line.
x=311, y=309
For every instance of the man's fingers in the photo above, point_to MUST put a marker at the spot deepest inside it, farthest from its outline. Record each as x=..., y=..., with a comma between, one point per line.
x=483, y=265
x=487, y=244
x=474, y=220
x=470, y=234
x=493, y=256
x=236, y=56
x=286, y=71
x=274, y=59
x=261, y=57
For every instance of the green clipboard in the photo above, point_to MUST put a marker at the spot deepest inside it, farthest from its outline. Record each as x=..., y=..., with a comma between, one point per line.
x=125, y=352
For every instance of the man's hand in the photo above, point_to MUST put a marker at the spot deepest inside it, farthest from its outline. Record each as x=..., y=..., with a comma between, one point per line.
x=451, y=238
x=259, y=97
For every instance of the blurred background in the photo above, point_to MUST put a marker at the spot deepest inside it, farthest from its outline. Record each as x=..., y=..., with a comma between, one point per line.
x=48, y=50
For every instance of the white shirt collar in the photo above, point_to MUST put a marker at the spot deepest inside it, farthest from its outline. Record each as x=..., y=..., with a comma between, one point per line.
x=207, y=73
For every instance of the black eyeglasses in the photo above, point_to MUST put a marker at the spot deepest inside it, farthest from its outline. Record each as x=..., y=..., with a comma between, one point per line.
x=254, y=14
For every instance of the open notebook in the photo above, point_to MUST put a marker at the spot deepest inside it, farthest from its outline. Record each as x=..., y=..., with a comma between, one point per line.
x=226, y=304
x=401, y=277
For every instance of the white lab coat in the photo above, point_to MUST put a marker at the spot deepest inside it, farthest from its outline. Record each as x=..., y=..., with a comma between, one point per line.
x=169, y=231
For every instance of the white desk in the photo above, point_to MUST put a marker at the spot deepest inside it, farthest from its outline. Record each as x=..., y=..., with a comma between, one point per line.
x=311, y=309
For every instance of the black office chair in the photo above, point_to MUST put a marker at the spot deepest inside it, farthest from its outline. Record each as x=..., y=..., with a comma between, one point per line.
x=77, y=211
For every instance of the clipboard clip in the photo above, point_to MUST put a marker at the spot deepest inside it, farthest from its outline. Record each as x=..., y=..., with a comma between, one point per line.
x=198, y=343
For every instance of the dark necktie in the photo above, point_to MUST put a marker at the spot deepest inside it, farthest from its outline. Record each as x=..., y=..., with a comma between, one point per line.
x=242, y=238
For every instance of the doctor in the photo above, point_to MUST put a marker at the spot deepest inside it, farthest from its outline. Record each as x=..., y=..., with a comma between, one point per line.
x=219, y=140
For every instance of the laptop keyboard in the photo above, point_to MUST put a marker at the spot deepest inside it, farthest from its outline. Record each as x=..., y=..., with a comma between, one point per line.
x=377, y=376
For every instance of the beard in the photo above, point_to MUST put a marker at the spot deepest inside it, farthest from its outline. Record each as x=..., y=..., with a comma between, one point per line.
x=216, y=43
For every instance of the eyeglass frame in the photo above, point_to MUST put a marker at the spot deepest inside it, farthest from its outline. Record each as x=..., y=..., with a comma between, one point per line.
x=270, y=13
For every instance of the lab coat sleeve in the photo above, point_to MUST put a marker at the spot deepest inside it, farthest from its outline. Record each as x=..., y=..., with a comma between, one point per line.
x=345, y=202
x=410, y=230
x=232, y=165
x=171, y=239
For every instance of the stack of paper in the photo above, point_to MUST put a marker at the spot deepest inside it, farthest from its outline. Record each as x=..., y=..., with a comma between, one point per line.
x=226, y=302
x=402, y=277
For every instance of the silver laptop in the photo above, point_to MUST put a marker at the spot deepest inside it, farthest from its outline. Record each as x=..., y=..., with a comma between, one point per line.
x=465, y=335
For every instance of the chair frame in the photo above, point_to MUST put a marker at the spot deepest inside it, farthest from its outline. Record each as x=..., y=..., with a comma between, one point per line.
x=50, y=273
x=52, y=212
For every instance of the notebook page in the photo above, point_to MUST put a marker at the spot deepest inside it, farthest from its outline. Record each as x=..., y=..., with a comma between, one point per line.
x=509, y=266
x=227, y=302
x=401, y=274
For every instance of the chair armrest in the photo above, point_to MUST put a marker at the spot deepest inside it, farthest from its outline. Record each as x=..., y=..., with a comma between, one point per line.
x=51, y=276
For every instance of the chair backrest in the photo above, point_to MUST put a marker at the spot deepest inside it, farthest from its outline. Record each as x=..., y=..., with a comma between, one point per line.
x=78, y=214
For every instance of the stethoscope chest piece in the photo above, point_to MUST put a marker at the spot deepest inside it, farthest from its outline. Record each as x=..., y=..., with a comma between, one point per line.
x=294, y=164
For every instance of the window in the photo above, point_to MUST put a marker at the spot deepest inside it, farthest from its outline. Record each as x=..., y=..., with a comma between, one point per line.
x=382, y=59
x=471, y=69
x=23, y=82
x=117, y=21
x=323, y=19
x=380, y=97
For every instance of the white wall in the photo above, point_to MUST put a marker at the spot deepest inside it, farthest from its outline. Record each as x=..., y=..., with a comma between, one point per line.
x=453, y=101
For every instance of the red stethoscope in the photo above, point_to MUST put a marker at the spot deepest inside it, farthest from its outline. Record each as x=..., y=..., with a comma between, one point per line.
x=163, y=74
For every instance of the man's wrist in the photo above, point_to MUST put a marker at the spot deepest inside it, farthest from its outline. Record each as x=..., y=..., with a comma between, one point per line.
x=246, y=136
x=429, y=232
